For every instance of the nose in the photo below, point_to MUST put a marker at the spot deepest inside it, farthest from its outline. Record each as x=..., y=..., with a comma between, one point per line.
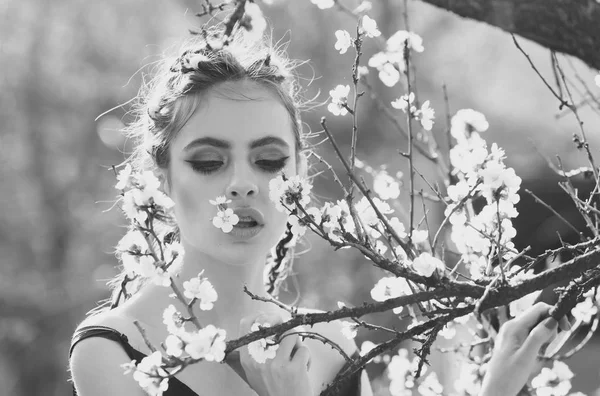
x=242, y=185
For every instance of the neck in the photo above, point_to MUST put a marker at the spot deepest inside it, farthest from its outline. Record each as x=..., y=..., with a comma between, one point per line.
x=228, y=279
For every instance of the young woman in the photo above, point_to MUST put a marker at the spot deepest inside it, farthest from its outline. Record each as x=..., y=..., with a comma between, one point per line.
x=224, y=123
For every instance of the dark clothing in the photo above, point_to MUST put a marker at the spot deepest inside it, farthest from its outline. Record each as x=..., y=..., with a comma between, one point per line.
x=176, y=387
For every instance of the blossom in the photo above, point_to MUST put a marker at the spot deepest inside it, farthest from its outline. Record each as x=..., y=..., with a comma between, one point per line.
x=404, y=101
x=225, y=220
x=133, y=242
x=285, y=193
x=147, y=372
x=362, y=71
x=208, y=343
x=173, y=345
x=369, y=27
x=367, y=214
x=349, y=329
x=388, y=73
x=172, y=319
x=426, y=264
x=466, y=121
x=585, y=310
x=396, y=42
x=344, y=41
x=201, y=289
x=430, y=386
x=124, y=178
x=497, y=178
x=390, y=287
x=366, y=347
x=339, y=98
x=426, y=115
x=553, y=382
x=398, y=227
x=263, y=349
x=597, y=80
x=386, y=186
x=220, y=200
x=323, y=4
x=419, y=236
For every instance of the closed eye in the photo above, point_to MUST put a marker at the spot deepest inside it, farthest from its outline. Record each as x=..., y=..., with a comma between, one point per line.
x=272, y=166
x=205, y=167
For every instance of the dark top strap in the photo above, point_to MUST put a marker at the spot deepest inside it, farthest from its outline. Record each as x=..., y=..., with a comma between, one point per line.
x=176, y=387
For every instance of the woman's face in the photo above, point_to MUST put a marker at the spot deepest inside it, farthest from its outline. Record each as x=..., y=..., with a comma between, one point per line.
x=233, y=145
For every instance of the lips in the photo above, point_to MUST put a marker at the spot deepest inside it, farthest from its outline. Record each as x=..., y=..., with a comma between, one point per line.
x=249, y=215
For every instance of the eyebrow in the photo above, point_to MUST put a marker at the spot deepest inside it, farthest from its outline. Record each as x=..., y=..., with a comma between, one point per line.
x=210, y=141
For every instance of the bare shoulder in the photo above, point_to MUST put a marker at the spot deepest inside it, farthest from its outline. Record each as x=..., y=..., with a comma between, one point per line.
x=95, y=362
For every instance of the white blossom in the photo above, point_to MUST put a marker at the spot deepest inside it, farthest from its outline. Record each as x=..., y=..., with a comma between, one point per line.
x=225, y=220
x=404, y=101
x=426, y=115
x=553, y=382
x=466, y=121
x=430, y=386
x=396, y=42
x=369, y=27
x=339, y=98
x=349, y=329
x=362, y=71
x=124, y=178
x=386, y=186
x=344, y=41
x=220, y=200
x=173, y=319
x=173, y=345
x=201, y=289
x=263, y=349
x=597, y=80
x=585, y=310
x=207, y=343
x=323, y=4
x=419, y=236
x=398, y=227
x=285, y=193
x=426, y=264
x=146, y=374
x=390, y=287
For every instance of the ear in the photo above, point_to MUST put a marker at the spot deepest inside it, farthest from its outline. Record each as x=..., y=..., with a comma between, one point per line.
x=163, y=177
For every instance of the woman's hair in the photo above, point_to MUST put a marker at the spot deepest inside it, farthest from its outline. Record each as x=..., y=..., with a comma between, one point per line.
x=170, y=98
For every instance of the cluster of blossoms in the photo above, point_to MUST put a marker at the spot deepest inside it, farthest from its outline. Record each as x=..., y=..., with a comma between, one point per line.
x=480, y=173
x=263, y=349
x=141, y=195
x=401, y=370
x=391, y=62
x=142, y=203
x=424, y=115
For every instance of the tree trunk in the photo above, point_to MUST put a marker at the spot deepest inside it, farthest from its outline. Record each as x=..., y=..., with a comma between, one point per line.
x=568, y=26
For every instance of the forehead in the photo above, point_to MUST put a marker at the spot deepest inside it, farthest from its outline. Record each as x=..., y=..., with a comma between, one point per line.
x=239, y=113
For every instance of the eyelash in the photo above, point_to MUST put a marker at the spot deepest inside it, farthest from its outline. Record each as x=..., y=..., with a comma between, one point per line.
x=207, y=167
